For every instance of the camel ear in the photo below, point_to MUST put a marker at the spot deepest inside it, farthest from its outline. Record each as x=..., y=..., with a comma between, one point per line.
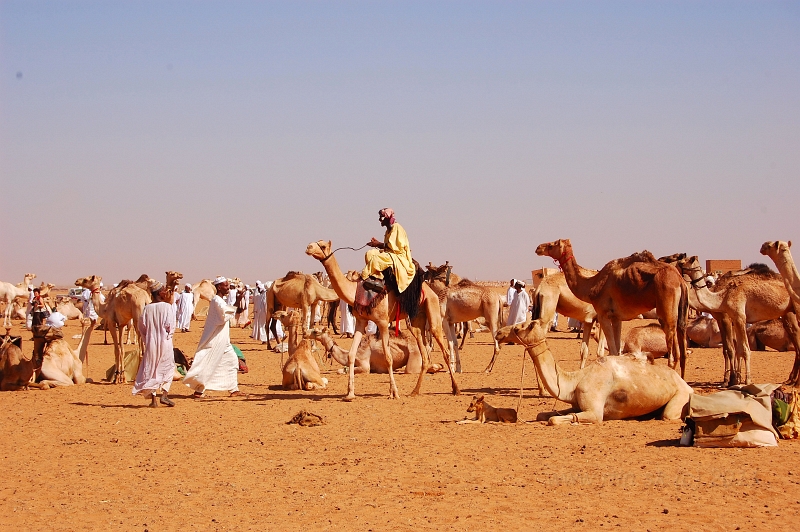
x=789, y=244
x=329, y=244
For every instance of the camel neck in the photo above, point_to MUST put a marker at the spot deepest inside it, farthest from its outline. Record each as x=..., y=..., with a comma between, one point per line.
x=788, y=269
x=560, y=383
x=576, y=279
x=704, y=299
x=344, y=288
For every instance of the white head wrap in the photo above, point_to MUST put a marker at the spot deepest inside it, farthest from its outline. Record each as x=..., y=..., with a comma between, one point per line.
x=219, y=279
x=188, y=285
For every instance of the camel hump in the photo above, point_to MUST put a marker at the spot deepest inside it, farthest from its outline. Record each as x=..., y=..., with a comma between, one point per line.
x=762, y=270
x=142, y=278
x=465, y=282
x=292, y=275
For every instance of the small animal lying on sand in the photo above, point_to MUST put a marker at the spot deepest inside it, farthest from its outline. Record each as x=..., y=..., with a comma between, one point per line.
x=484, y=412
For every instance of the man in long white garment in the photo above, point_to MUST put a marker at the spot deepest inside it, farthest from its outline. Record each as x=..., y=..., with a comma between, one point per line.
x=518, y=309
x=348, y=320
x=260, y=313
x=185, y=308
x=215, y=365
x=157, y=366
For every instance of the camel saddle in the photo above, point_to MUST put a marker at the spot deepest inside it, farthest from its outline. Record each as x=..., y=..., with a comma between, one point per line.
x=410, y=299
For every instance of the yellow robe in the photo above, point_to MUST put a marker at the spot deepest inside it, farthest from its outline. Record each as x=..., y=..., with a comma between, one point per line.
x=397, y=255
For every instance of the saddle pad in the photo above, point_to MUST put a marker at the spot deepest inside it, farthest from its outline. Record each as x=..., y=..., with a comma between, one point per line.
x=366, y=300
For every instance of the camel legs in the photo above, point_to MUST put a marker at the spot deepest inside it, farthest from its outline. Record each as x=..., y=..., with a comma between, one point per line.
x=793, y=330
x=116, y=337
x=53, y=376
x=452, y=340
x=678, y=406
x=728, y=349
x=742, y=351
x=613, y=332
x=383, y=328
x=434, y=321
x=361, y=325
x=581, y=418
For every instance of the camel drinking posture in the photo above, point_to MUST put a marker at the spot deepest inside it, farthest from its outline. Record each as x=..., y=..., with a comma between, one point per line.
x=381, y=314
x=625, y=288
x=609, y=388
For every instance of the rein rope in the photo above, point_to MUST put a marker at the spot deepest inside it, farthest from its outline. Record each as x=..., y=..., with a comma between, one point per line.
x=522, y=376
x=343, y=247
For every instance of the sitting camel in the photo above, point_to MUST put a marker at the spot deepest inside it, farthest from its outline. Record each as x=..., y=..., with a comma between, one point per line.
x=301, y=371
x=61, y=365
x=704, y=331
x=66, y=307
x=769, y=333
x=609, y=388
x=16, y=369
x=370, y=359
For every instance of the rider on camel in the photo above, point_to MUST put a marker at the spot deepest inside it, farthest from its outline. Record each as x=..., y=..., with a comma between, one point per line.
x=394, y=252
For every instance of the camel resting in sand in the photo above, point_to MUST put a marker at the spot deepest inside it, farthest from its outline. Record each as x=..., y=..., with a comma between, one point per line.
x=61, y=365
x=16, y=369
x=769, y=333
x=370, y=358
x=301, y=371
x=609, y=388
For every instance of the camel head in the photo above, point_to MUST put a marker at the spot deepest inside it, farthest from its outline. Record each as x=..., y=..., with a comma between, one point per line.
x=315, y=333
x=27, y=278
x=523, y=333
x=555, y=250
x=690, y=268
x=353, y=276
x=91, y=283
x=44, y=289
x=671, y=259
x=775, y=248
x=173, y=278
x=319, y=250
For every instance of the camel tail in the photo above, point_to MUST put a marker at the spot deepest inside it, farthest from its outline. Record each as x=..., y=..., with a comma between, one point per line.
x=683, y=308
x=536, y=311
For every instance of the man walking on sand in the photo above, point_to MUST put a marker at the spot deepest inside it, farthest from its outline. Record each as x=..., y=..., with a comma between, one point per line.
x=156, y=325
x=215, y=365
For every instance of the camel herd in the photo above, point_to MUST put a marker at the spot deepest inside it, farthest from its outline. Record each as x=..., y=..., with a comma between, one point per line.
x=612, y=387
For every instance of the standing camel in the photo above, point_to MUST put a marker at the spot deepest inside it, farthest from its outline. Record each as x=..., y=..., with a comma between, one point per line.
x=625, y=288
x=387, y=309
x=756, y=294
x=9, y=292
x=202, y=290
x=298, y=290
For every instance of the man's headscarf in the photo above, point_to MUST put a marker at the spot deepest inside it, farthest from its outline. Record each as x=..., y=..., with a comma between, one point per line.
x=219, y=280
x=387, y=213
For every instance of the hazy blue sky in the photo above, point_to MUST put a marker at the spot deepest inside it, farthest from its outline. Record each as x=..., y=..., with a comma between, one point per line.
x=222, y=137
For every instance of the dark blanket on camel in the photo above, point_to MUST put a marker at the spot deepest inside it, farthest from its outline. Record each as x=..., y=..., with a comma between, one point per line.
x=409, y=299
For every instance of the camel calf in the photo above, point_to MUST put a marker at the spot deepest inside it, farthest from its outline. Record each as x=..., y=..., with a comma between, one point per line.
x=486, y=413
x=301, y=371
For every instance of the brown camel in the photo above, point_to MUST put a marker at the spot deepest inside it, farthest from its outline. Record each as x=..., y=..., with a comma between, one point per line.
x=553, y=295
x=16, y=368
x=381, y=314
x=625, y=288
x=770, y=333
x=370, y=358
x=781, y=255
x=756, y=294
x=9, y=292
x=609, y=388
x=301, y=371
x=297, y=290
x=439, y=278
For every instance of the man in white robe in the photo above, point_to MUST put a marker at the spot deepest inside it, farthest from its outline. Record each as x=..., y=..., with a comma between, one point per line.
x=260, y=313
x=243, y=307
x=157, y=366
x=518, y=309
x=184, y=303
x=215, y=365
x=511, y=292
x=348, y=320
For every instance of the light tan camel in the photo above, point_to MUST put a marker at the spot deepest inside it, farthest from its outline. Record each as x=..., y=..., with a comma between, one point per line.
x=625, y=288
x=66, y=307
x=609, y=388
x=463, y=302
x=769, y=333
x=781, y=255
x=301, y=371
x=9, y=292
x=202, y=290
x=381, y=314
x=370, y=358
x=756, y=295
x=439, y=278
x=554, y=296
x=704, y=332
x=61, y=365
x=297, y=290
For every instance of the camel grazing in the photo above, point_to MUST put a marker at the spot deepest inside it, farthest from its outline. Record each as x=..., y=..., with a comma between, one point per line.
x=625, y=288
x=554, y=296
x=9, y=292
x=381, y=313
x=301, y=371
x=297, y=290
x=370, y=357
x=704, y=331
x=618, y=387
x=757, y=294
x=781, y=255
x=769, y=333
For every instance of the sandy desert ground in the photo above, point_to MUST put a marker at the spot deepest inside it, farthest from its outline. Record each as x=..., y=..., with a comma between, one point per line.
x=93, y=457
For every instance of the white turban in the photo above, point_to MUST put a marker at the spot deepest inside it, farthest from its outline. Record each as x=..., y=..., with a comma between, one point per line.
x=219, y=280
x=188, y=285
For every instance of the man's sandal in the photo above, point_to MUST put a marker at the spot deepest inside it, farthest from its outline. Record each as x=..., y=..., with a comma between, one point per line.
x=166, y=401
